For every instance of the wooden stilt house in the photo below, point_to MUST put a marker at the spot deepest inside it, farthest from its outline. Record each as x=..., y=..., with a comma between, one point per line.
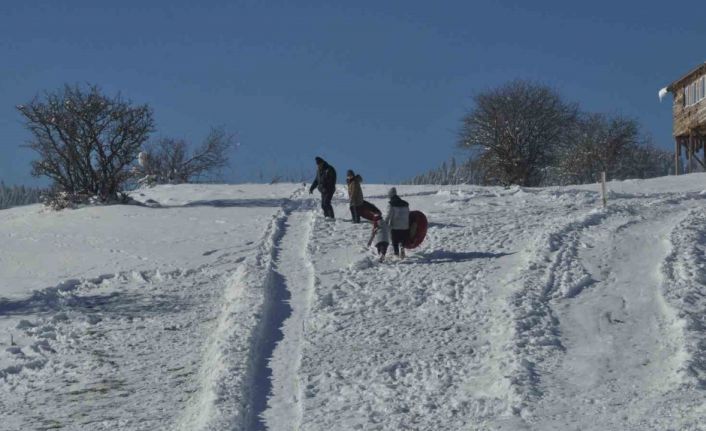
x=689, y=110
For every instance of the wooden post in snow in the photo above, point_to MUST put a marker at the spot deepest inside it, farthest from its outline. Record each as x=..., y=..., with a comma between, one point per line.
x=603, y=194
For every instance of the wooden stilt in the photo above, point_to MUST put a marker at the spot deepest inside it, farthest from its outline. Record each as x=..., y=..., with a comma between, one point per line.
x=698, y=145
x=676, y=156
x=689, y=152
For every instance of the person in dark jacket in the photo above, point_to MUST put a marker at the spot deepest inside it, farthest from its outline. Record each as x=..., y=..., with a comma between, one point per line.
x=398, y=221
x=325, y=182
x=355, y=194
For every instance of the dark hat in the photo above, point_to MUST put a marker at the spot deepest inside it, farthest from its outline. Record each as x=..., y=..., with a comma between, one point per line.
x=319, y=160
x=350, y=173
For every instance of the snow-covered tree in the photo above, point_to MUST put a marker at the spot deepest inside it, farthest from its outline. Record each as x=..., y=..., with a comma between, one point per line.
x=611, y=144
x=526, y=134
x=86, y=141
x=518, y=129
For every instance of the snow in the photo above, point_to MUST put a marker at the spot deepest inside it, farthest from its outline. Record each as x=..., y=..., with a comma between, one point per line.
x=662, y=93
x=240, y=307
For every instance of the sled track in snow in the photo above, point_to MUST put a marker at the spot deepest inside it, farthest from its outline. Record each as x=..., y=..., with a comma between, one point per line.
x=234, y=375
x=274, y=360
x=267, y=334
x=552, y=272
x=293, y=281
x=225, y=398
x=617, y=332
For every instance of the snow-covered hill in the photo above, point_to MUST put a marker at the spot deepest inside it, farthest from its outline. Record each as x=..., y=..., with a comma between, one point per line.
x=240, y=307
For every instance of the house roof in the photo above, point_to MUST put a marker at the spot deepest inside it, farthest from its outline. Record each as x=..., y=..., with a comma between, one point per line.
x=677, y=84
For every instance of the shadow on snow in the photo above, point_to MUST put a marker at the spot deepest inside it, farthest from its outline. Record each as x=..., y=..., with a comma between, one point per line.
x=444, y=225
x=444, y=256
x=232, y=203
x=115, y=304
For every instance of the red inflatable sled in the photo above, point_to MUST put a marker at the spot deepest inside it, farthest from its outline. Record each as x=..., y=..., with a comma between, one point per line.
x=417, y=229
x=369, y=211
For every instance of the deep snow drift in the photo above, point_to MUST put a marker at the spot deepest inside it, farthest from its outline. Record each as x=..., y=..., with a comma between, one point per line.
x=240, y=307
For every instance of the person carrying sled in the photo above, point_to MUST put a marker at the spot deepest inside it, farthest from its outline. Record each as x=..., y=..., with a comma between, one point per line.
x=325, y=182
x=355, y=194
x=397, y=219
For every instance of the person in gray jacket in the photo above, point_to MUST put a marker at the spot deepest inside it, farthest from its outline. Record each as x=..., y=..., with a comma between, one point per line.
x=397, y=220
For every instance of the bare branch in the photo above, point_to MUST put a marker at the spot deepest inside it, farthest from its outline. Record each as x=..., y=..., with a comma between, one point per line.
x=168, y=160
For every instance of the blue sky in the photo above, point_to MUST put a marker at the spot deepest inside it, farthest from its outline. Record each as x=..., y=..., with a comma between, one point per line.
x=376, y=86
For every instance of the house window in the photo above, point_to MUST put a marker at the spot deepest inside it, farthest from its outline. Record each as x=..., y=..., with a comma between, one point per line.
x=695, y=92
x=697, y=89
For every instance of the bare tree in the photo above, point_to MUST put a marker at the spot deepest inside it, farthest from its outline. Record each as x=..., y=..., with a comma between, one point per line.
x=168, y=160
x=603, y=143
x=517, y=129
x=649, y=162
x=85, y=140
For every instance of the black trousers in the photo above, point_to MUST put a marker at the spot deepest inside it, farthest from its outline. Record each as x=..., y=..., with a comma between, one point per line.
x=399, y=236
x=326, y=204
x=382, y=248
x=354, y=214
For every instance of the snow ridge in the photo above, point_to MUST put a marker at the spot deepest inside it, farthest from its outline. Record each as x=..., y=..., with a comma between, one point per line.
x=685, y=289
